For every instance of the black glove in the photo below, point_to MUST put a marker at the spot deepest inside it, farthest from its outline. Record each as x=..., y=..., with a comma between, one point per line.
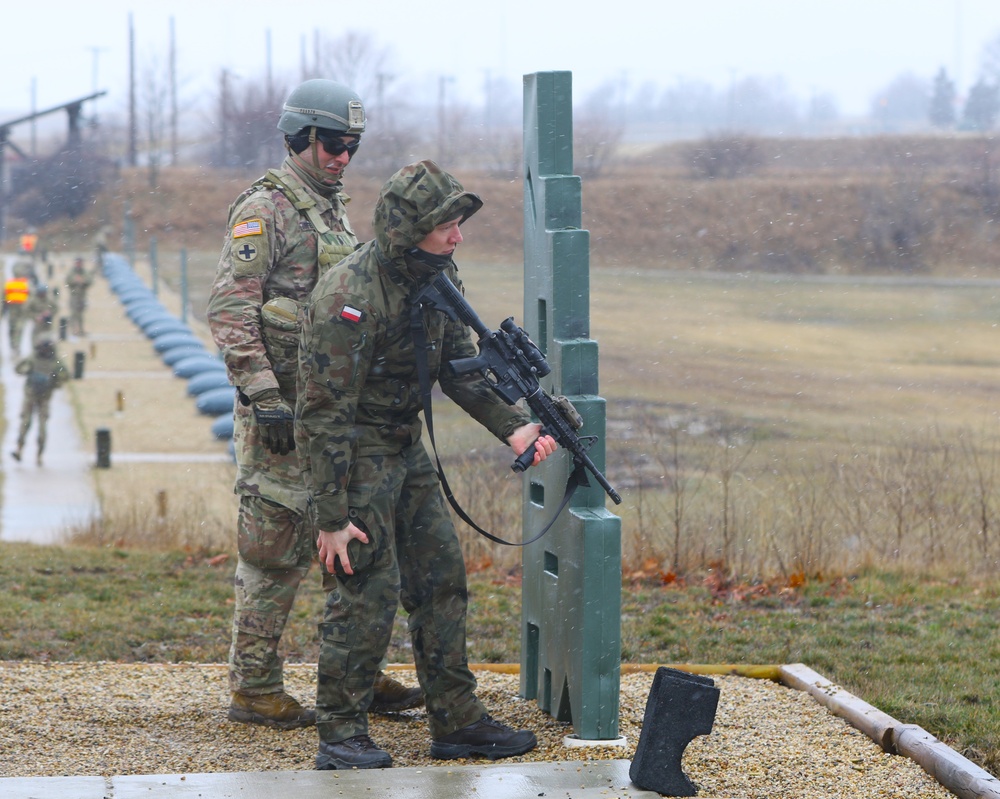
x=274, y=421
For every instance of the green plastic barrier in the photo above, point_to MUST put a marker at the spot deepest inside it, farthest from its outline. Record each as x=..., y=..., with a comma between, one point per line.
x=571, y=594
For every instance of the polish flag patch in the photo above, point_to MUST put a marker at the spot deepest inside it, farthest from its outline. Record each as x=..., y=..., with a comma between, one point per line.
x=351, y=314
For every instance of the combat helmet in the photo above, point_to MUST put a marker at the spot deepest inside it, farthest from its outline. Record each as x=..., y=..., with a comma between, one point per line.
x=325, y=104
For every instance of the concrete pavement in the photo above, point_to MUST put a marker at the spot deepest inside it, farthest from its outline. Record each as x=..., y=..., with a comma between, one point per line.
x=568, y=780
x=39, y=503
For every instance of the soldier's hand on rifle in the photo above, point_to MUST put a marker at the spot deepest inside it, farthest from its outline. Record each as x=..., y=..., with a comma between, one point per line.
x=528, y=434
x=333, y=545
x=274, y=421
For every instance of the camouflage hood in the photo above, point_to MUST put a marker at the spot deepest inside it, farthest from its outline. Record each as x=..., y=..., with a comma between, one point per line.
x=413, y=202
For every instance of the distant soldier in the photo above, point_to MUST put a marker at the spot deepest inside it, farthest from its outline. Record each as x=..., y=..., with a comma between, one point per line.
x=16, y=294
x=44, y=373
x=42, y=308
x=26, y=269
x=101, y=245
x=78, y=281
x=29, y=242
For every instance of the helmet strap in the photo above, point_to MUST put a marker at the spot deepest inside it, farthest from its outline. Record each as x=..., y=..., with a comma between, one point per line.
x=314, y=149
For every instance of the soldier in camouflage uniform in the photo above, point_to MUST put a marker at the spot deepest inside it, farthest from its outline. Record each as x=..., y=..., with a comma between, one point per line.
x=385, y=533
x=42, y=309
x=43, y=374
x=78, y=281
x=17, y=294
x=284, y=231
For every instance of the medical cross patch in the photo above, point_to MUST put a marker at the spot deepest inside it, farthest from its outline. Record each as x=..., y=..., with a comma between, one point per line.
x=245, y=252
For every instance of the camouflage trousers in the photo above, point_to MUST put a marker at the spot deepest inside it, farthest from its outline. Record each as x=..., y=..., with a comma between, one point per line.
x=76, y=318
x=16, y=318
x=276, y=547
x=413, y=556
x=34, y=406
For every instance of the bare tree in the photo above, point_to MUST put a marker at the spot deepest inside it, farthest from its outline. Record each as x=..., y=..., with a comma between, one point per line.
x=903, y=104
x=357, y=60
x=981, y=106
x=735, y=446
x=354, y=59
x=248, y=118
x=598, y=130
x=895, y=221
x=942, y=102
x=725, y=156
x=499, y=147
x=153, y=103
x=760, y=104
x=990, y=61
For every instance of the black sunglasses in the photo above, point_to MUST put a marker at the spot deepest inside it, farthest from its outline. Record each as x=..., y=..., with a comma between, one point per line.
x=335, y=145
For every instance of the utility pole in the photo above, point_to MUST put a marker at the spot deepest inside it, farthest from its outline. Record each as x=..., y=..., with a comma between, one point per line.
x=174, y=147
x=268, y=66
x=95, y=53
x=34, y=109
x=133, y=123
x=443, y=81
x=224, y=114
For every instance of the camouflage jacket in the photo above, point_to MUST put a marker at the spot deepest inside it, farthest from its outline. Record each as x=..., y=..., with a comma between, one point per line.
x=42, y=305
x=78, y=281
x=42, y=376
x=282, y=234
x=358, y=387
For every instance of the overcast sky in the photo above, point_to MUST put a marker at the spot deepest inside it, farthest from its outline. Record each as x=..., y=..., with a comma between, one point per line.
x=848, y=48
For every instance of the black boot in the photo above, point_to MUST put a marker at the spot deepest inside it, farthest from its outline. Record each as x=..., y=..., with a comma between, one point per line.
x=357, y=752
x=486, y=737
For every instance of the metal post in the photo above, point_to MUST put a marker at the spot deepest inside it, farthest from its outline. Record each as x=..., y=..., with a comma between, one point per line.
x=184, y=284
x=128, y=234
x=571, y=591
x=154, y=268
x=103, y=436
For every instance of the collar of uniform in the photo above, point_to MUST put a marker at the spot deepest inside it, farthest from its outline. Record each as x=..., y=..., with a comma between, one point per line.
x=324, y=188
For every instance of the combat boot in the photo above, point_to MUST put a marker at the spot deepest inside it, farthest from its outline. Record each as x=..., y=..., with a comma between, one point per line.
x=357, y=752
x=486, y=737
x=391, y=696
x=272, y=710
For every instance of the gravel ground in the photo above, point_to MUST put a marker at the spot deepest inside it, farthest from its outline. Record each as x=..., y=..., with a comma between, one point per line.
x=104, y=719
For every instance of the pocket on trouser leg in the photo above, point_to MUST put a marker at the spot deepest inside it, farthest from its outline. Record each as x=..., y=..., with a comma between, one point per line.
x=268, y=534
x=372, y=497
x=363, y=555
x=341, y=685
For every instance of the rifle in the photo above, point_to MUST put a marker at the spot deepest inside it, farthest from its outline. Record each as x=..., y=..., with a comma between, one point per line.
x=512, y=364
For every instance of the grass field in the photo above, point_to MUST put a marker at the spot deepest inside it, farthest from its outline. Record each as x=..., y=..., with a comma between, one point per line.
x=810, y=470
x=921, y=649
x=776, y=425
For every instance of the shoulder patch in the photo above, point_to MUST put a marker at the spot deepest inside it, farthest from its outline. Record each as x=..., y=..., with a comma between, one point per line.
x=350, y=314
x=248, y=227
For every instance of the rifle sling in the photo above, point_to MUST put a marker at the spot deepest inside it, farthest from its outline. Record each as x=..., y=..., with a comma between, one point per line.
x=577, y=477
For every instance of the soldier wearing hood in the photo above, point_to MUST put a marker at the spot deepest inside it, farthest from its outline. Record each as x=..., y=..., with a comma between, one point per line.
x=384, y=531
x=284, y=231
